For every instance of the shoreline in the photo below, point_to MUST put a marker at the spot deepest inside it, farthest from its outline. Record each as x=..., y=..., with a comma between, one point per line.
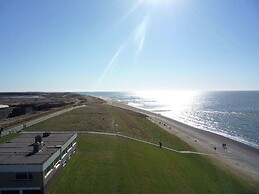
x=239, y=158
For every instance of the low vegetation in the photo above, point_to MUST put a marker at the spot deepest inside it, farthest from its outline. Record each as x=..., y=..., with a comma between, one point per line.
x=106, y=118
x=116, y=165
x=24, y=106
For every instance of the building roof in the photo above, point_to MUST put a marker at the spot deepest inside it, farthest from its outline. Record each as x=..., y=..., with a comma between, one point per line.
x=3, y=106
x=20, y=149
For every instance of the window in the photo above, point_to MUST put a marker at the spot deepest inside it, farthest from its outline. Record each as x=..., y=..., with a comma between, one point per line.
x=49, y=169
x=23, y=176
x=10, y=192
x=31, y=192
x=64, y=153
x=57, y=162
x=74, y=143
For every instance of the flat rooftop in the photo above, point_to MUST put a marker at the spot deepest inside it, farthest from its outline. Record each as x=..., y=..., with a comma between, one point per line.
x=20, y=149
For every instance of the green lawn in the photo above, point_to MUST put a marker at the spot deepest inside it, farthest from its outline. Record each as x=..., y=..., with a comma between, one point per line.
x=115, y=165
x=102, y=117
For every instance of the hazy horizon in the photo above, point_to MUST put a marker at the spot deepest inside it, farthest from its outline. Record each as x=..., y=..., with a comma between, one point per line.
x=128, y=91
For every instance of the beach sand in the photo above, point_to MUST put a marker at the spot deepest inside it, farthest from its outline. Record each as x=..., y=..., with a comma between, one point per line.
x=239, y=158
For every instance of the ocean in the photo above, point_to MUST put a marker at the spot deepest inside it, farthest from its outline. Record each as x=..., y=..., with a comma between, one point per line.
x=234, y=114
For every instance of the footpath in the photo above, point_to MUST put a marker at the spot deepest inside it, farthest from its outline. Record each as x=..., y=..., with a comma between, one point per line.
x=36, y=121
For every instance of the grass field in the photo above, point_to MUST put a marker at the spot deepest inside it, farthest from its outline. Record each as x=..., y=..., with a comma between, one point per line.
x=102, y=117
x=115, y=165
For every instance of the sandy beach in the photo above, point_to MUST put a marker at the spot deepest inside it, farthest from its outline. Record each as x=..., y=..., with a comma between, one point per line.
x=239, y=158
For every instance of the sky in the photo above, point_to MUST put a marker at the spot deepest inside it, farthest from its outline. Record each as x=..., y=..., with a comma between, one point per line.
x=128, y=45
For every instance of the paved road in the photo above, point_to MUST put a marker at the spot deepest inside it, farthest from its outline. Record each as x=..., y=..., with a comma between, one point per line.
x=38, y=120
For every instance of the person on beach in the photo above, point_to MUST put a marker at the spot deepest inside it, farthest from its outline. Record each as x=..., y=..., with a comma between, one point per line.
x=1, y=131
x=224, y=145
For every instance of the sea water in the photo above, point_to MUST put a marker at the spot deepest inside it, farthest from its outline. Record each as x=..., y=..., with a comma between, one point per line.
x=232, y=114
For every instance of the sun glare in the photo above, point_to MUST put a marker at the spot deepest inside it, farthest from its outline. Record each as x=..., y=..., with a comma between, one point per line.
x=155, y=2
x=138, y=35
x=177, y=99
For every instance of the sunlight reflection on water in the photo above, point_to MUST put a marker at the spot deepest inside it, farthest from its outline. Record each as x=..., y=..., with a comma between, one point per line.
x=232, y=114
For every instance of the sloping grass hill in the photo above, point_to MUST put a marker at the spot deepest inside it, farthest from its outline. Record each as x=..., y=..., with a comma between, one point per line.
x=105, y=118
x=105, y=164
x=116, y=165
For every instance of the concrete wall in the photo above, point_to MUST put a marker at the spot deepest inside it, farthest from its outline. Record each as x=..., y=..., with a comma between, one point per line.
x=7, y=180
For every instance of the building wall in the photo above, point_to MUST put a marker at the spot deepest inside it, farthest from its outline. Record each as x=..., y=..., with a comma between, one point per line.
x=39, y=177
x=7, y=180
x=63, y=160
x=21, y=168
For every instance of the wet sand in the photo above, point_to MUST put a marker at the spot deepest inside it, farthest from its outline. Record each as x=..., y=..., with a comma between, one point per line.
x=241, y=159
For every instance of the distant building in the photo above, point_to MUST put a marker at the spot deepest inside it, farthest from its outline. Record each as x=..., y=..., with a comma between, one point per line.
x=29, y=162
x=3, y=106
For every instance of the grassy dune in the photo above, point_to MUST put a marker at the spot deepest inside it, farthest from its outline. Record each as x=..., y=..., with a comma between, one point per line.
x=115, y=165
x=102, y=117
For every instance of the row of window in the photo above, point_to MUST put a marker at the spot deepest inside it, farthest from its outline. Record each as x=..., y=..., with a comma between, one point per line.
x=56, y=163
x=23, y=176
x=68, y=148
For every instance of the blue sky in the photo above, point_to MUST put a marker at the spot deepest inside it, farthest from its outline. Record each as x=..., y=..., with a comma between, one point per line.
x=129, y=45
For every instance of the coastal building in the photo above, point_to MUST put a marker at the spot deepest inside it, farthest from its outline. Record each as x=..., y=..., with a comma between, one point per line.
x=30, y=161
x=3, y=106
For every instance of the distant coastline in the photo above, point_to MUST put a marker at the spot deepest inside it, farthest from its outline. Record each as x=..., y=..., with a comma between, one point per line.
x=237, y=156
x=231, y=114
